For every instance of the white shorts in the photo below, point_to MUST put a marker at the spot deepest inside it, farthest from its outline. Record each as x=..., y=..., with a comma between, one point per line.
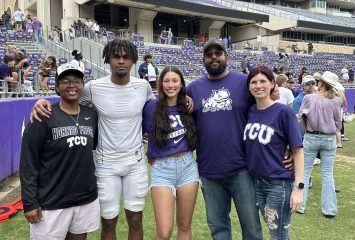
x=128, y=177
x=57, y=223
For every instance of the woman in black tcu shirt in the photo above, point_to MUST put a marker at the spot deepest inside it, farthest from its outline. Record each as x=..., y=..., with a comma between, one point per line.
x=59, y=188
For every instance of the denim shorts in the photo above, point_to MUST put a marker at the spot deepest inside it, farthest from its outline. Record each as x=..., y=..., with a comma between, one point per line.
x=174, y=172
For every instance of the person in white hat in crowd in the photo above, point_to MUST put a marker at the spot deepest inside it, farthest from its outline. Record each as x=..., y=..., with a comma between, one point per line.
x=58, y=184
x=78, y=59
x=320, y=118
x=308, y=83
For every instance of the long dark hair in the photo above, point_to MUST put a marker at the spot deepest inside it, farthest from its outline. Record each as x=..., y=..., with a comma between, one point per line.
x=161, y=121
x=263, y=70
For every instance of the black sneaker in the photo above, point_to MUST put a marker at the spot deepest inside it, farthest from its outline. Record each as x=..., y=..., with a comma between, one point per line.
x=310, y=184
x=329, y=216
x=337, y=190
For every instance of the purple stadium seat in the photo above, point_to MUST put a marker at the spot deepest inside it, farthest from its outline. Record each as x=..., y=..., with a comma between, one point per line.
x=62, y=61
x=51, y=82
x=87, y=72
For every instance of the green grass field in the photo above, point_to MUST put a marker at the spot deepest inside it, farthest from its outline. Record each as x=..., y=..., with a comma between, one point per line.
x=310, y=226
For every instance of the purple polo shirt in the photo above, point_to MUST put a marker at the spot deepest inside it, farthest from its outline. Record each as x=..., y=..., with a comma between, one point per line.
x=5, y=71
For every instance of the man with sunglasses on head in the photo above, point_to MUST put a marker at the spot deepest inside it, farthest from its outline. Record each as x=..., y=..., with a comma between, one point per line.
x=308, y=83
x=221, y=104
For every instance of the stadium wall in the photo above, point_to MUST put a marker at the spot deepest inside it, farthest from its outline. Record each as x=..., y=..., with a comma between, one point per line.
x=14, y=114
x=317, y=47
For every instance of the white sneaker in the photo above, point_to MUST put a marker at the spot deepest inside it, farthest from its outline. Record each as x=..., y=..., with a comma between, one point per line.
x=316, y=161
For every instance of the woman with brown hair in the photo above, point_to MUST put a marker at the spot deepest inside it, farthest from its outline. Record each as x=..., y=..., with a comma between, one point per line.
x=47, y=67
x=172, y=138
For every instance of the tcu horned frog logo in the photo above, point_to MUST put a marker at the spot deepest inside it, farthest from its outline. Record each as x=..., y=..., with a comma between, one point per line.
x=219, y=100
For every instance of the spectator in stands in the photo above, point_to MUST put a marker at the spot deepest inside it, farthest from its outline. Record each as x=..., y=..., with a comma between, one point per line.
x=303, y=71
x=290, y=74
x=30, y=28
x=37, y=25
x=345, y=74
x=308, y=84
x=351, y=73
x=310, y=47
x=7, y=74
x=250, y=64
x=47, y=67
x=78, y=59
x=247, y=45
x=225, y=41
x=22, y=65
x=71, y=34
x=295, y=48
x=11, y=50
x=286, y=96
x=244, y=64
x=202, y=39
x=148, y=71
x=89, y=33
x=282, y=70
x=275, y=94
x=58, y=183
x=169, y=35
x=265, y=148
x=320, y=127
x=6, y=18
x=96, y=30
x=174, y=175
x=17, y=17
x=163, y=37
x=221, y=162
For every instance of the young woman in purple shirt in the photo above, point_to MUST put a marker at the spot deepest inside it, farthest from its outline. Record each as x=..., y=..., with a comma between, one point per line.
x=270, y=129
x=172, y=138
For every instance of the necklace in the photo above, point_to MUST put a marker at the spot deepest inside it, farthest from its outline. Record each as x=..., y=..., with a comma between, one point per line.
x=77, y=117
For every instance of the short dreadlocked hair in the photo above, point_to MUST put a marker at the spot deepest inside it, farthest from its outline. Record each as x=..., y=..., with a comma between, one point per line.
x=116, y=46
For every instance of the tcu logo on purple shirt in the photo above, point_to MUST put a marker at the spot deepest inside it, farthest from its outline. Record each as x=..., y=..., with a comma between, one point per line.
x=260, y=131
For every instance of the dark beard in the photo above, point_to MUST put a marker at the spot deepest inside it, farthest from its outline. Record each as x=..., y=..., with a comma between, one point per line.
x=121, y=74
x=216, y=71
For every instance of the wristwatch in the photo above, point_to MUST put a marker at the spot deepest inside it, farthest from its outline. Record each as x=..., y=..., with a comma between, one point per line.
x=299, y=185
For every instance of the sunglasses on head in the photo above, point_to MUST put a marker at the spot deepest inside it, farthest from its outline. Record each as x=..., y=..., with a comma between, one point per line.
x=217, y=53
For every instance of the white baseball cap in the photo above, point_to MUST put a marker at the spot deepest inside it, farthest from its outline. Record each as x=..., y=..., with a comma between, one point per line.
x=69, y=68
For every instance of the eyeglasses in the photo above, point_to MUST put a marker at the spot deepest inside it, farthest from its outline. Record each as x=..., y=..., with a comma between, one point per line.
x=76, y=82
x=210, y=54
x=308, y=84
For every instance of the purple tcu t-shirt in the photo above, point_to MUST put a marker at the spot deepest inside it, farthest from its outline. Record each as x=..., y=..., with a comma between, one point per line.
x=266, y=136
x=5, y=71
x=220, y=111
x=176, y=143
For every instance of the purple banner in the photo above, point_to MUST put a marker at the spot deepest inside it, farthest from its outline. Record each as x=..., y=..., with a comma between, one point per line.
x=14, y=115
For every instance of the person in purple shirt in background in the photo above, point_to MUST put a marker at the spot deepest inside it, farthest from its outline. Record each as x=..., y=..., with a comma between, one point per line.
x=6, y=73
x=270, y=129
x=37, y=29
x=172, y=138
